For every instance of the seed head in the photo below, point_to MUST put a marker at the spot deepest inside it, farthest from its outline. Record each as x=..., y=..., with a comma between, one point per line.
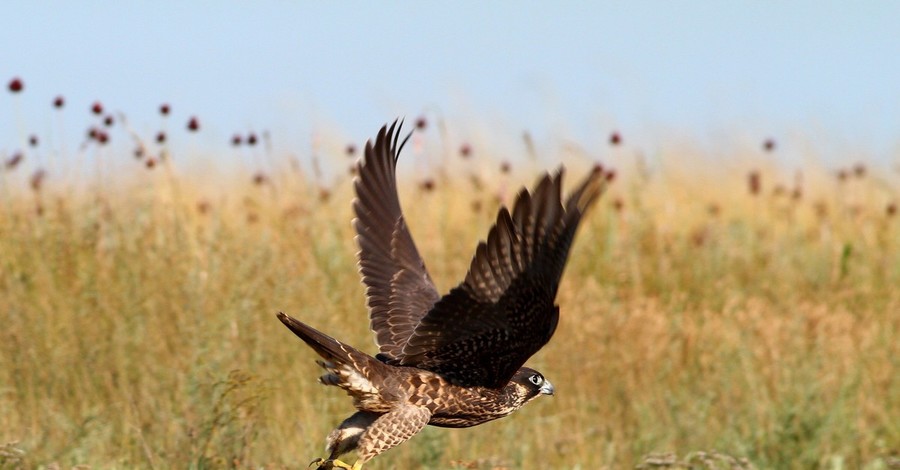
x=618, y=204
x=427, y=185
x=13, y=161
x=891, y=209
x=37, y=179
x=193, y=124
x=465, y=150
x=842, y=175
x=164, y=109
x=421, y=123
x=260, y=178
x=33, y=140
x=615, y=139
x=251, y=139
x=769, y=145
x=754, y=182
x=16, y=85
x=108, y=120
x=150, y=163
x=97, y=108
x=59, y=102
x=236, y=140
x=505, y=167
x=350, y=150
x=161, y=137
x=859, y=170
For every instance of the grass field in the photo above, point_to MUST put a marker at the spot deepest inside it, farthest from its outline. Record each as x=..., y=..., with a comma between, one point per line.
x=139, y=330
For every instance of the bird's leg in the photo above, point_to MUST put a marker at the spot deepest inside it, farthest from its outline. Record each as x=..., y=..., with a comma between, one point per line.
x=339, y=464
x=334, y=463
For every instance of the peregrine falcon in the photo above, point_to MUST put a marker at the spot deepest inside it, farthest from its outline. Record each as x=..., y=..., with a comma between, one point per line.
x=455, y=360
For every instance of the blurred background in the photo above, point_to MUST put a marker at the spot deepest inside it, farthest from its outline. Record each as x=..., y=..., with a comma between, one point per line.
x=174, y=173
x=824, y=73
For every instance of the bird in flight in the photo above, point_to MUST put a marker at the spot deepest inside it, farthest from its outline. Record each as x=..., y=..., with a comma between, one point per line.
x=455, y=360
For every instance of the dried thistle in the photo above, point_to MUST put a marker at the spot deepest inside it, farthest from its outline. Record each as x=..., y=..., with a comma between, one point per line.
x=615, y=139
x=16, y=85
x=754, y=182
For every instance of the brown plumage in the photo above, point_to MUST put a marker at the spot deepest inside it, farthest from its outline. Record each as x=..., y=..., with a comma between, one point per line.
x=456, y=360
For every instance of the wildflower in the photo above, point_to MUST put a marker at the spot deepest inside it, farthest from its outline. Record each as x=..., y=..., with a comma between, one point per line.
x=16, y=85
x=754, y=182
x=97, y=108
x=769, y=145
x=14, y=160
x=164, y=109
x=37, y=179
x=465, y=150
x=59, y=102
x=193, y=124
x=615, y=138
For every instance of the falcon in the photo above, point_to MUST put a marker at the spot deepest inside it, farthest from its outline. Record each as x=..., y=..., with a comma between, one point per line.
x=455, y=360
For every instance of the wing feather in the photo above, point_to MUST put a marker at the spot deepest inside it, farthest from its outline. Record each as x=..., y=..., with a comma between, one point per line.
x=399, y=290
x=485, y=329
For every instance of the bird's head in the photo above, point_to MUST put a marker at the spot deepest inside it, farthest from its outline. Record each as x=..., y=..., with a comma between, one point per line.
x=528, y=384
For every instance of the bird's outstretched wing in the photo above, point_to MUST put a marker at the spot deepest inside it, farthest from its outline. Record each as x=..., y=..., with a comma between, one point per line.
x=486, y=328
x=399, y=290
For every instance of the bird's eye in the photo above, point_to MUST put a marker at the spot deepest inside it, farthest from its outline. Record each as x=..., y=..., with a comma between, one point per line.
x=536, y=379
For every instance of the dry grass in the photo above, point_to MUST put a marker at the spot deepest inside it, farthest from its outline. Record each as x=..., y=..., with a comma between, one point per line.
x=737, y=331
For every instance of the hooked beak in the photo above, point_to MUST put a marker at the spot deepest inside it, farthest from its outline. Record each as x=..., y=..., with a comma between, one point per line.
x=547, y=388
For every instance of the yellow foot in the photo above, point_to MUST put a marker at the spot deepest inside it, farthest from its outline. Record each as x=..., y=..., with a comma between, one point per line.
x=321, y=463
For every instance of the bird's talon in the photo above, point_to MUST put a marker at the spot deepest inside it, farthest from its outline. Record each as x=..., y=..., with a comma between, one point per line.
x=321, y=463
x=339, y=464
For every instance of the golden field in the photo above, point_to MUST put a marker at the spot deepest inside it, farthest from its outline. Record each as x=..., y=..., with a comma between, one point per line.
x=139, y=330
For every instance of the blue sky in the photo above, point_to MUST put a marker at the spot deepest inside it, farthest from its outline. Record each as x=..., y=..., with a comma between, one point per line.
x=828, y=71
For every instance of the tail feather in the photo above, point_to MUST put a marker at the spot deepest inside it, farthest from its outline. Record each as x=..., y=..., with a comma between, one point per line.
x=349, y=368
x=329, y=348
